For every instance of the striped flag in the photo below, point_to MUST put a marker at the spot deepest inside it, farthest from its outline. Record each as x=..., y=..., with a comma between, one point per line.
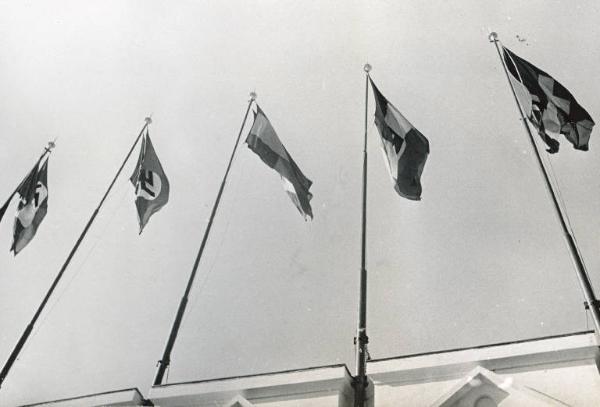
x=32, y=208
x=150, y=182
x=404, y=147
x=549, y=106
x=264, y=142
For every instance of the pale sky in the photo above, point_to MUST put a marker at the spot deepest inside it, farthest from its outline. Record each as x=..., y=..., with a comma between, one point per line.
x=481, y=259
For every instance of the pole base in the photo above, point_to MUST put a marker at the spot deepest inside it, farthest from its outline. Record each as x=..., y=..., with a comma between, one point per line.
x=366, y=398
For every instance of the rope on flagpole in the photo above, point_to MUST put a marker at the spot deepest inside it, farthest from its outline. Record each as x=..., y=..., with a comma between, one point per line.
x=554, y=179
x=165, y=361
x=27, y=332
x=234, y=183
x=582, y=274
x=74, y=275
x=361, y=340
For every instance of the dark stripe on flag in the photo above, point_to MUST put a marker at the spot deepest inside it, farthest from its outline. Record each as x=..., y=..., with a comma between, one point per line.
x=405, y=148
x=553, y=107
x=263, y=140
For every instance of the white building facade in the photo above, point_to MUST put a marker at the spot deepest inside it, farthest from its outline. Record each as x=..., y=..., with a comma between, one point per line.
x=553, y=371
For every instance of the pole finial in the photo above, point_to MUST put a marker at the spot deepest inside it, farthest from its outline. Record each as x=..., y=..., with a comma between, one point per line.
x=367, y=68
x=493, y=36
x=148, y=120
x=253, y=95
x=50, y=146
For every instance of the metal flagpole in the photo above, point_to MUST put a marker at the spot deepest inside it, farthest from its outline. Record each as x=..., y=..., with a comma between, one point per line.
x=362, y=339
x=584, y=280
x=15, y=353
x=163, y=364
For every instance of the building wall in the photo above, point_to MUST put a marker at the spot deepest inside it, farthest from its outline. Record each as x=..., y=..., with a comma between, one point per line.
x=412, y=395
x=577, y=386
x=295, y=401
x=553, y=371
x=574, y=385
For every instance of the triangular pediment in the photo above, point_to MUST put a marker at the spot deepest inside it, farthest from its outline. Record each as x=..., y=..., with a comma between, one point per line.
x=239, y=401
x=483, y=388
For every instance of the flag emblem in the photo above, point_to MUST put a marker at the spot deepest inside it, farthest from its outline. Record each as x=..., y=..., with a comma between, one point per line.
x=404, y=147
x=150, y=183
x=27, y=210
x=266, y=144
x=148, y=186
x=32, y=208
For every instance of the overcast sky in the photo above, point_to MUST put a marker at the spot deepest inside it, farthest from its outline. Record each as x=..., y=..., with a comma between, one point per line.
x=481, y=259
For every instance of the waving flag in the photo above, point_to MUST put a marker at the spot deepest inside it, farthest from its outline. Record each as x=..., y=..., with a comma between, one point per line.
x=549, y=106
x=264, y=142
x=150, y=182
x=404, y=147
x=33, y=205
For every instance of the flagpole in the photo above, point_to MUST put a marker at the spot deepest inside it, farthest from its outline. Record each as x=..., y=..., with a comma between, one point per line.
x=362, y=339
x=164, y=363
x=582, y=275
x=15, y=353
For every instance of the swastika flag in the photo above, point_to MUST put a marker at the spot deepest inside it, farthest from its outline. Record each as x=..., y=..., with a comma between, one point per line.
x=33, y=205
x=150, y=183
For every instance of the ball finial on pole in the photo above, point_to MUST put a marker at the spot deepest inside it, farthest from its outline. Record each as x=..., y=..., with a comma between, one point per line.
x=253, y=95
x=148, y=120
x=50, y=146
x=493, y=37
x=367, y=68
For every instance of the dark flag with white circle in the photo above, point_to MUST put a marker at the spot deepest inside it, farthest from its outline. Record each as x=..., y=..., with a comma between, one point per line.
x=150, y=182
x=32, y=208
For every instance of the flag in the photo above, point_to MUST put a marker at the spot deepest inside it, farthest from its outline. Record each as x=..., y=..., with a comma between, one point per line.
x=9, y=200
x=264, y=142
x=549, y=106
x=32, y=208
x=404, y=147
x=5, y=207
x=150, y=182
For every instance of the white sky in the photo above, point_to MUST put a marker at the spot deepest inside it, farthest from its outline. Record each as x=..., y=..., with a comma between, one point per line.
x=480, y=260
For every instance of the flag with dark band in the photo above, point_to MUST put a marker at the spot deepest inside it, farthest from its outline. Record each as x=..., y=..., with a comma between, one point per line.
x=404, y=147
x=32, y=208
x=549, y=106
x=266, y=144
x=150, y=182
